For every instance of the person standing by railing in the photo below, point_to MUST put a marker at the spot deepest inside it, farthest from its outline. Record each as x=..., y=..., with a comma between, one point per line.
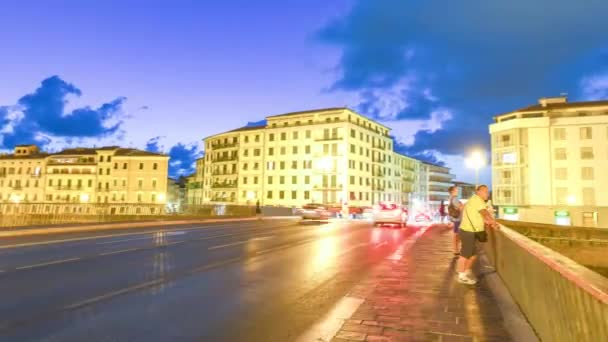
x=475, y=217
x=455, y=212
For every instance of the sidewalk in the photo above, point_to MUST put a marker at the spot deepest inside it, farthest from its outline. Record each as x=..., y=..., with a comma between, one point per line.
x=416, y=298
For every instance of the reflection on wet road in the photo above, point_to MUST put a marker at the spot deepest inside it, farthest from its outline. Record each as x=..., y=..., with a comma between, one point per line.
x=243, y=281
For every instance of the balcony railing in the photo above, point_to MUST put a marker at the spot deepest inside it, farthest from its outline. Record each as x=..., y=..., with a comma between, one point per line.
x=224, y=185
x=378, y=174
x=330, y=137
x=223, y=199
x=378, y=188
x=222, y=173
x=222, y=146
x=225, y=159
x=69, y=187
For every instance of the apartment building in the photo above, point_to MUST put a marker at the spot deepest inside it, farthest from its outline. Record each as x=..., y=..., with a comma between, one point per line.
x=194, y=184
x=548, y=160
x=331, y=156
x=83, y=175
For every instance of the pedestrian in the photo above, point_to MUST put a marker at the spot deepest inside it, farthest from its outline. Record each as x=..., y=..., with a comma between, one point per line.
x=455, y=213
x=258, y=210
x=475, y=217
x=442, y=212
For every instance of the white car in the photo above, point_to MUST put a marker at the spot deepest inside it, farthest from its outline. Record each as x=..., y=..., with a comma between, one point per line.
x=314, y=211
x=390, y=213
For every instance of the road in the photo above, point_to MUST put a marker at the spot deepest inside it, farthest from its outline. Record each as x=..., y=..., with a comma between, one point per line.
x=239, y=281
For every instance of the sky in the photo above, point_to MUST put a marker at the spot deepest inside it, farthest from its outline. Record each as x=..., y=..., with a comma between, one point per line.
x=162, y=75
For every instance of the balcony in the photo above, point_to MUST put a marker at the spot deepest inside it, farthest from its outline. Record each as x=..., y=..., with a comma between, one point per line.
x=223, y=199
x=223, y=146
x=17, y=187
x=380, y=147
x=69, y=187
x=330, y=138
x=224, y=185
x=222, y=173
x=378, y=160
x=71, y=162
x=378, y=188
x=378, y=174
x=225, y=159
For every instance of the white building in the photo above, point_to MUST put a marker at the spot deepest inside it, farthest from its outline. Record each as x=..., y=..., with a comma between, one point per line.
x=548, y=162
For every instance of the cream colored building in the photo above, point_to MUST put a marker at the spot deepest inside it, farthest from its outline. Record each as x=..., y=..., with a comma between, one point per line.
x=548, y=162
x=194, y=186
x=331, y=156
x=110, y=175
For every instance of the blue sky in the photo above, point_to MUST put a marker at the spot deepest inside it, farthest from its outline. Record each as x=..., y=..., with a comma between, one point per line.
x=165, y=74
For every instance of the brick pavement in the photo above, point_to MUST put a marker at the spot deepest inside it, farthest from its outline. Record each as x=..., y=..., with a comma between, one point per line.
x=417, y=298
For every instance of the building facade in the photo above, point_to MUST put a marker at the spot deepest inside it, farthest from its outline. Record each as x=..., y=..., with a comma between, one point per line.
x=194, y=184
x=330, y=156
x=548, y=160
x=83, y=175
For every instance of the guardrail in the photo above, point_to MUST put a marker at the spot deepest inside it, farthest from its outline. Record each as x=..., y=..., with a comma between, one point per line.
x=562, y=300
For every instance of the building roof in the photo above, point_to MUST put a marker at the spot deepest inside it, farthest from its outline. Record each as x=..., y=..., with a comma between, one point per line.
x=245, y=128
x=29, y=156
x=77, y=150
x=307, y=112
x=136, y=152
x=550, y=106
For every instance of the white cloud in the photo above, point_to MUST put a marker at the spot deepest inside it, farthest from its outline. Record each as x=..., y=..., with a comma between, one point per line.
x=595, y=87
x=388, y=103
x=405, y=130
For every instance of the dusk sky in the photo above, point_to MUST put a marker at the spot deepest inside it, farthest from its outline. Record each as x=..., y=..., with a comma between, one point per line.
x=163, y=75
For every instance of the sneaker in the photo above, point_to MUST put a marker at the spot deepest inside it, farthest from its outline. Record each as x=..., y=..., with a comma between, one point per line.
x=463, y=278
x=470, y=275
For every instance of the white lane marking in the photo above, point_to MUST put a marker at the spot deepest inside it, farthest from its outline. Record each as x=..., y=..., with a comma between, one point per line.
x=112, y=294
x=398, y=254
x=329, y=326
x=240, y=242
x=54, y=262
x=124, y=240
x=381, y=244
x=121, y=251
x=29, y=244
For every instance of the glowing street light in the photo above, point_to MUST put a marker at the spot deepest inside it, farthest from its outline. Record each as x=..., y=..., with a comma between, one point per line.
x=571, y=200
x=84, y=198
x=476, y=161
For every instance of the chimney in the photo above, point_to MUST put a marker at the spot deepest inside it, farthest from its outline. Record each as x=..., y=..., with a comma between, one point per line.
x=545, y=101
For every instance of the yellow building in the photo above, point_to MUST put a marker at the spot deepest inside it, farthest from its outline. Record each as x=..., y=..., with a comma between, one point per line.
x=194, y=186
x=548, y=160
x=331, y=156
x=83, y=175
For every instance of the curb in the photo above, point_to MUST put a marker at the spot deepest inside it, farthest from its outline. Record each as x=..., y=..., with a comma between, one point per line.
x=116, y=226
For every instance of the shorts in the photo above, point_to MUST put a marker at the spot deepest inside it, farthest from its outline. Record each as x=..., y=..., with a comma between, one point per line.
x=456, y=226
x=468, y=244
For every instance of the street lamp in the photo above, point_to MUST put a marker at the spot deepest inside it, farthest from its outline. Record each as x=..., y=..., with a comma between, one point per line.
x=475, y=161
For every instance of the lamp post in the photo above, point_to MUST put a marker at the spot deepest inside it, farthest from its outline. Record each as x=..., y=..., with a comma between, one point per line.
x=475, y=161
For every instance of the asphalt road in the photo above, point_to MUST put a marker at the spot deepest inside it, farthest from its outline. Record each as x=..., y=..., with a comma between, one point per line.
x=239, y=281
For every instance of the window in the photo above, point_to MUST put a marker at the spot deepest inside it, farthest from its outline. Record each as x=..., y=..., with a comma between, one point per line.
x=353, y=149
x=256, y=166
x=586, y=152
x=306, y=179
x=282, y=180
x=281, y=194
x=295, y=135
x=270, y=165
x=100, y=171
x=256, y=152
x=269, y=179
x=139, y=197
x=294, y=164
x=244, y=180
x=352, y=180
x=101, y=159
x=141, y=166
x=107, y=171
x=308, y=131
x=255, y=180
x=246, y=139
x=588, y=196
x=140, y=183
x=353, y=134
x=245, y=153
x=294, y=150
x=271, y=137
x=559, y=134
x=587, y=173
x=124, y=166
x=560, y=154
x=109, y=159
x=283, y=150
x=586, y=133
x=257, y=138
x=124, y=182
x=294, y=179
x=90, y=183
x=271, y=151
x=561, y=173
x=294, y=195
x=283, y=136
x=306, y=195
x=307, y=149
x=245, y=166
x=269, y=195
x=154, y=183
x=115, y=166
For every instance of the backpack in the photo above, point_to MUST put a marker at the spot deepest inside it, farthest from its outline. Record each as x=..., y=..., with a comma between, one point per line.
x=453, y=211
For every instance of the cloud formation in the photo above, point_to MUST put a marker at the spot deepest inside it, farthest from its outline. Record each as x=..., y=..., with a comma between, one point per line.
x=182, y=156
x=40, y=116
x=473, y=58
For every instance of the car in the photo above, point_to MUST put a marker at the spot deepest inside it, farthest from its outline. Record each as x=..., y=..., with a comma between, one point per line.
x=314, y=211
x=390, y=213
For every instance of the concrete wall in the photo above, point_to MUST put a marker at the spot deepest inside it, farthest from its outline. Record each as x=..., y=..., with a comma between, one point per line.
x=562, y=300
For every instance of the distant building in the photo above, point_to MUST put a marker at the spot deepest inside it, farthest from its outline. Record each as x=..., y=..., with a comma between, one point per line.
x=465, y=190
x=111, y=175
x=194, y=184
x=331, y=156
x=176, y=194
x=548, y=160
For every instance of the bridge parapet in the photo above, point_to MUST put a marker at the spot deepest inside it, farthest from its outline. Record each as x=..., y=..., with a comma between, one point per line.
x=562, y=300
